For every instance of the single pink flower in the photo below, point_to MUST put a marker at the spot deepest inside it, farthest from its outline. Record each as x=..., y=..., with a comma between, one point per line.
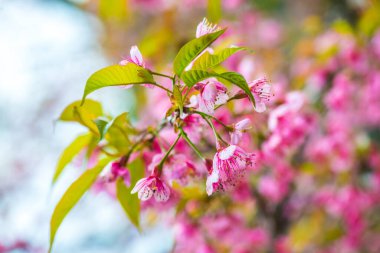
x=135, y=58
x=261, y=91
x=213, y=183
x=212, y=93
x=117, y=170
x=149, y=186
x=228, y=166
x=238, y=130
x=205, y=27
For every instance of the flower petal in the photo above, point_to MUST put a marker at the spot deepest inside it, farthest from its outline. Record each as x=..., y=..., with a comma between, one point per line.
x=145, y=193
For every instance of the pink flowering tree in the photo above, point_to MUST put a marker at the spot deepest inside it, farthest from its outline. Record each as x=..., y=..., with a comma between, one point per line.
x=300, y=176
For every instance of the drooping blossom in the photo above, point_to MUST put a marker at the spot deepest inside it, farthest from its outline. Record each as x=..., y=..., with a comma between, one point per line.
x=261, y=91
x=152, y=186
x=212, y=93
x=135, y=58
x=238, y=130
x=205, y=27
x=229, y=165
x=117, y=170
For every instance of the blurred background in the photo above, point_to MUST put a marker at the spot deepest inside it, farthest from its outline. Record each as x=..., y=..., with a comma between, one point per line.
x=48, y=49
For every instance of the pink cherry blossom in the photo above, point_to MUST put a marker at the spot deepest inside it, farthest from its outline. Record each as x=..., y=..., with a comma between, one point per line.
x=212, y=93
x=149, y=186
x=238, y=130
x=229, y=165
x=205, y=27
x=117, y=170
x=261, y=91
x=135, y=57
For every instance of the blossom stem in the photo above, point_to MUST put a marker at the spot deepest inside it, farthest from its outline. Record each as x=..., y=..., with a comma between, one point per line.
x=186, y=94
x=160, y=165
x=191, y=144
x=214, y=118
x=217, y=136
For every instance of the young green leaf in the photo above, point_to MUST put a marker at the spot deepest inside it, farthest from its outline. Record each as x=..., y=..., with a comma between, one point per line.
x=102, y=127
x=73, y=194
x=94, y=108
x=192, y=49
x=117, y=75
x=86, y=119
x=118, y=133
x=130, y=202
x=70, y=152
x=207, y=61
x=85, y=115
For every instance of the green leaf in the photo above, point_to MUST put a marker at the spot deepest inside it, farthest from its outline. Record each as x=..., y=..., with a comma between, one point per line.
x=92, y=107
x=130, y=202
x=207, y=61
x=86, y=119
x=118, y=133
x=70, y=152
x=192, y=77
x=73, y=194
x=192, y=49
x=117, y=75
x=85, y=115
x=239, y=81
x=102, y=126
x=137, y=169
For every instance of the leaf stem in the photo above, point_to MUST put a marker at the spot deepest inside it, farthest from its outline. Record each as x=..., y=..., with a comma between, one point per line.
x=159, y=74
x=162, y=87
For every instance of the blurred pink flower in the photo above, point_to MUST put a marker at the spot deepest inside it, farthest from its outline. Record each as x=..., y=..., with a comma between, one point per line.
x=135, y=58
x=117, y=170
